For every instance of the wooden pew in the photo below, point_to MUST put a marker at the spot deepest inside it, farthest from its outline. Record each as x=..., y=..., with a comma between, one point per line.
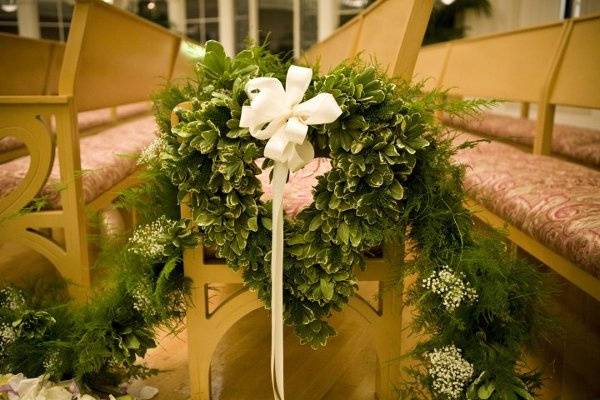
x=550, y=65
x=111, y=58
x=32, y=67
x=29, y=66
x=369, y=33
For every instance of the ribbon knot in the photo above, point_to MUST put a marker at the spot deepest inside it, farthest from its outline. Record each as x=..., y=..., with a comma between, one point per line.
x=279, y=116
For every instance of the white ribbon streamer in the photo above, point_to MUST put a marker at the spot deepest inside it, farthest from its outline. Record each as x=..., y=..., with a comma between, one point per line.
x=278, y=115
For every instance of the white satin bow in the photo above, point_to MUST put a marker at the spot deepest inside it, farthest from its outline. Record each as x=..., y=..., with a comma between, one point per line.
x=278, y=115
x=285, y=117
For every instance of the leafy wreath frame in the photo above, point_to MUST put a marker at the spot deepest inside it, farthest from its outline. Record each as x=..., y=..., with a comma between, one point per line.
x=372, y=147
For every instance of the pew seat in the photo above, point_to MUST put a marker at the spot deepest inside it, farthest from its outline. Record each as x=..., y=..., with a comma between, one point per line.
x=576, y=143
x=298, y=189
x=106, y=158
x=87, y=120
x=554, y=201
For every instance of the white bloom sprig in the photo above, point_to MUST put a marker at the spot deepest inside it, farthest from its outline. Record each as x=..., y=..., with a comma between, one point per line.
x=141, y=296
x=8, y=335
x=150, y=153
x=449, y=370
x=452, y=288
x=11, y=299
x=150, y=240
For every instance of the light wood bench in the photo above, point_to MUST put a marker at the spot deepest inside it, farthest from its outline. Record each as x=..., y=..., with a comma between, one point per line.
x=391, y=31
x=32, y=67
x=111, y=58
x=550, y=65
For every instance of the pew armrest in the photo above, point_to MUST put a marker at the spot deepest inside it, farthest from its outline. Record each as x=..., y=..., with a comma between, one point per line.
x=41, y=99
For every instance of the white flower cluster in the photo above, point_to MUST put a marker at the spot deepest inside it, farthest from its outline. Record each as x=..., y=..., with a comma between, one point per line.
x=450, y=372
x=52, y=362
x=176, y=300
x=7, y=336
x=140, y=294
x=12, y=299
x=452, y=288
x=151, y=152
x=149, y=240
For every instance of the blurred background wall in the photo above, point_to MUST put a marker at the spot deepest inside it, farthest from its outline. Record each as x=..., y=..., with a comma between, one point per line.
x=294, y=25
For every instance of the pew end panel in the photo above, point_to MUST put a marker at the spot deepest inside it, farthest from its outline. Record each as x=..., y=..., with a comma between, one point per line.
x=142, y=57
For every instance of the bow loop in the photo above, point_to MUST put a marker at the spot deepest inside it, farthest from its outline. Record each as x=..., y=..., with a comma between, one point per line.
x=296, y=83
x=321, y=109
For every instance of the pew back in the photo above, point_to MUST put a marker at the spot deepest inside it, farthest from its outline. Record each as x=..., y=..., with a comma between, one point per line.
x=577, y=80
x=391, y=34
x=113, y=57
x=189, y=54
x=430, y=64
x=551, y=65
x=380, y=33
x=31, y=66
x=339, y=46
x=509, y=66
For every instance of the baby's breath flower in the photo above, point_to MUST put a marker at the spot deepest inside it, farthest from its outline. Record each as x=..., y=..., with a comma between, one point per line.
x=11, y=299
x=52, y=363
x=150, y=240
x=151, y=152
x=450, y=287
x=7, y=336
x=450, y=371
x=141, y=296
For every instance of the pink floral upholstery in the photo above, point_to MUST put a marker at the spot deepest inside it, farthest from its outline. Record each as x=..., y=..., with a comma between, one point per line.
x=554, y=201
x=298, y=190
x=579, y=144
x=106, y=158
x=9, y=143
x=93, y=118
x=87, y=120
x=129, y=110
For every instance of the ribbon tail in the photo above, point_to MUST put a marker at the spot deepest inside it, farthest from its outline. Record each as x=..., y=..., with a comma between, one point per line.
x=280, y=172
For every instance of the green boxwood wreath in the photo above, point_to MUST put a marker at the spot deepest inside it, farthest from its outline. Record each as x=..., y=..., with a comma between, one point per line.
x=373, y=150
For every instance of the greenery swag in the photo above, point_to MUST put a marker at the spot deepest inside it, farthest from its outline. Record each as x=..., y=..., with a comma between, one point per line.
x=392, y=181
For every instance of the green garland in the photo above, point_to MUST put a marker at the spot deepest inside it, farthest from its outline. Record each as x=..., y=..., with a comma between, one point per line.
x=392, y=180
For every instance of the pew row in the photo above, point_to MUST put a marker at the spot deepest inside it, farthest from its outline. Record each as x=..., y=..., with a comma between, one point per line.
x=369, y=34
x=551, y=207
x=73, y=173
x=548, y=65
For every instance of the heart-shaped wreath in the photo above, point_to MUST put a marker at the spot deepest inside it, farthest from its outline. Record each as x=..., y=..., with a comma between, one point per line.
x=373, y=149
